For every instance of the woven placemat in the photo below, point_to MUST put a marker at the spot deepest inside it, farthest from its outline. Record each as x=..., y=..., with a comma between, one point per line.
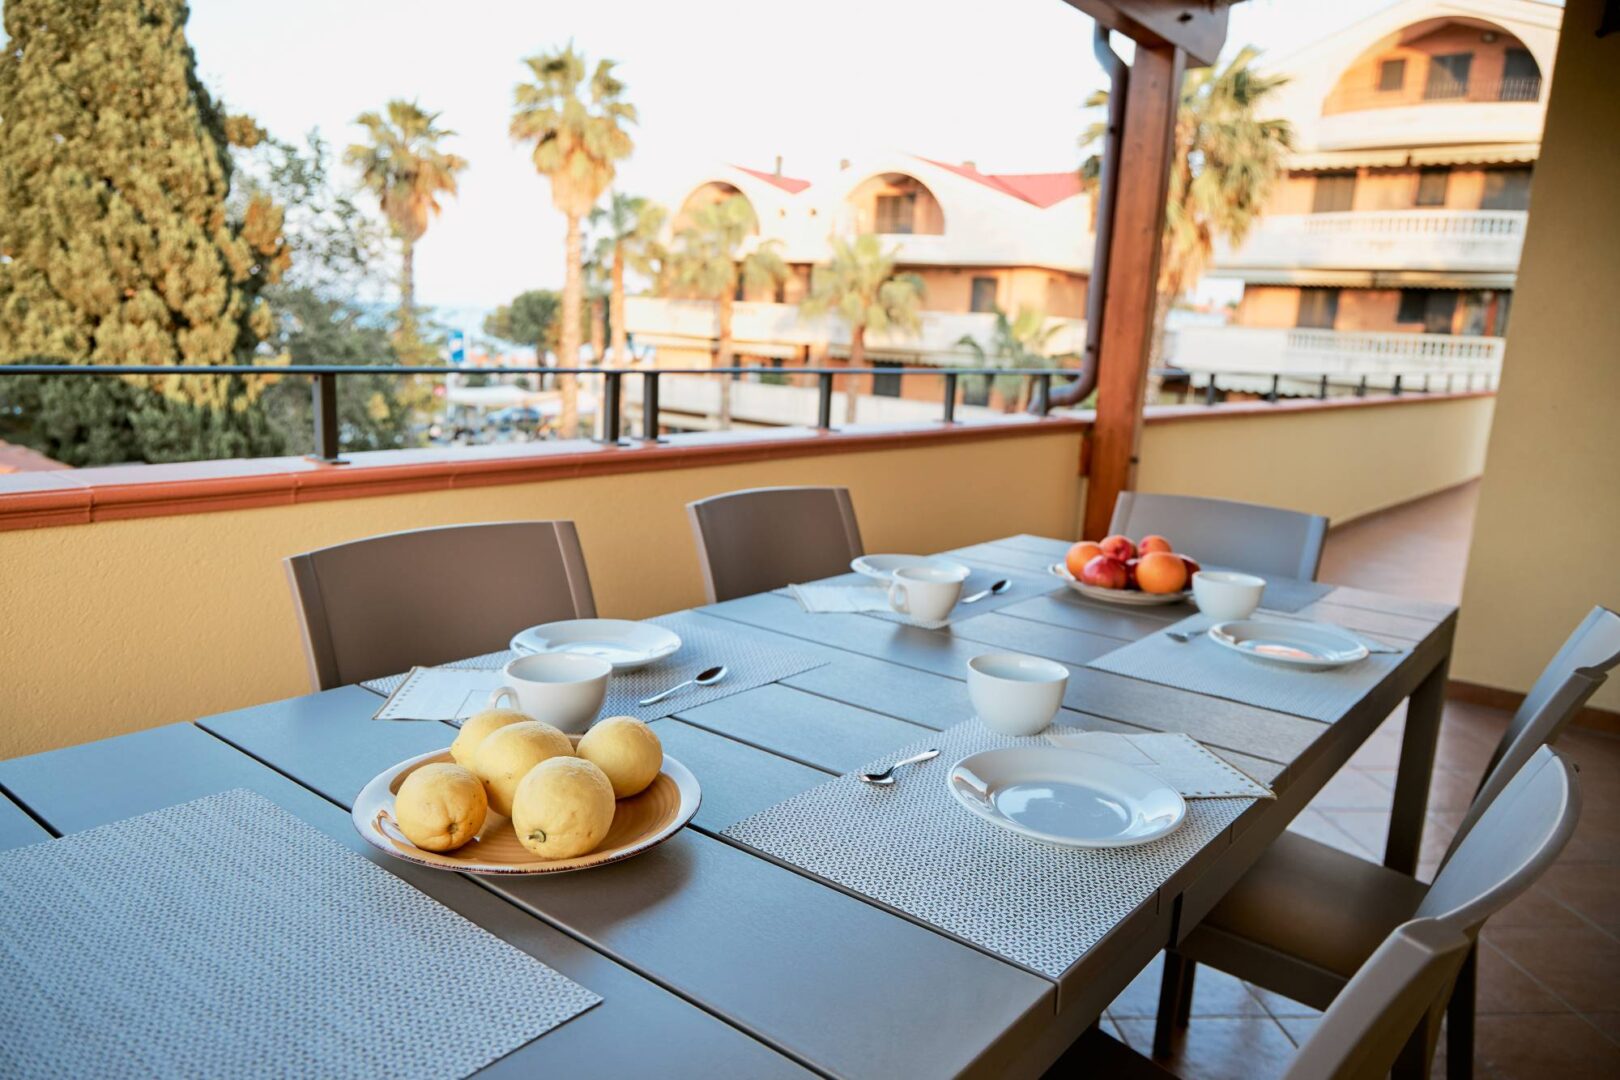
x=913, y=848
x=226, y=938
x=749, y=658
x=1202, y=666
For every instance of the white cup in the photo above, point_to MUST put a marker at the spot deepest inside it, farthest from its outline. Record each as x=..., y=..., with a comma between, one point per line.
x=1225, y=594
x=1015, y=694
x=925, y=592
x=565, y=690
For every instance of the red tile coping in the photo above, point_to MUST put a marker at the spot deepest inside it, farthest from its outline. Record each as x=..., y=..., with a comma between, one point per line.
x=117, y=492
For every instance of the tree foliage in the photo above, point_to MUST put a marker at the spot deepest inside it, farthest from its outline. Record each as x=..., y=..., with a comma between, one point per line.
x=576, y=122
x=860, y=286
x=530, y=319
x=1021, y=341
x=117, y=241
x=628, y=231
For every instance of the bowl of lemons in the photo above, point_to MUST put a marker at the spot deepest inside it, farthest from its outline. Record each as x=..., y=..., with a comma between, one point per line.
x=514, y=795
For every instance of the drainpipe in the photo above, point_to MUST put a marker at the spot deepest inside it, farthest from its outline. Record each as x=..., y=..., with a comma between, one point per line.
x=1107, y=185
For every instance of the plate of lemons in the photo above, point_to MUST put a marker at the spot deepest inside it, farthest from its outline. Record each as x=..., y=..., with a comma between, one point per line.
x=514, y=795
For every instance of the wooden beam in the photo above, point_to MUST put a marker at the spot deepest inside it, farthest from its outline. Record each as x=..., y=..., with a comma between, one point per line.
x=1197, y=27
x=1146, y=148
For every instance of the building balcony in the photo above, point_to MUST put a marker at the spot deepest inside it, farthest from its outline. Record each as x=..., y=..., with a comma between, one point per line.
x=779, y=330
x=1246, y=357
x=1425, y=241
x=1512, y=110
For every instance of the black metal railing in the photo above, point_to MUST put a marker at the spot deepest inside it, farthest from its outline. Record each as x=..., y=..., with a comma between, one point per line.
x=1322, y=385
x=328, y=441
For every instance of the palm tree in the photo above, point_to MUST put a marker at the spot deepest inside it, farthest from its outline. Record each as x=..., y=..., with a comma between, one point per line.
x=403, y=166
x=708, y=264
x=577, y=127
x=1019, y=342
x=860, y=286
x=1226, y=161
x=629, y=227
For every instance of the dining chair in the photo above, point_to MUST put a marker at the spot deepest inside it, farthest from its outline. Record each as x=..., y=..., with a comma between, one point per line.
x=1306, y=916
x=764, y=538
x=381, y=605
x=1218, y=532
x=1365, y=1030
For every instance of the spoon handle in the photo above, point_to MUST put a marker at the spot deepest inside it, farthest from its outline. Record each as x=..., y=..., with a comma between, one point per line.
x=656, y=698
x=913, y=759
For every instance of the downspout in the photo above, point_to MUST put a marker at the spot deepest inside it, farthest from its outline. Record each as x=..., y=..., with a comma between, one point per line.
x=1107, y=186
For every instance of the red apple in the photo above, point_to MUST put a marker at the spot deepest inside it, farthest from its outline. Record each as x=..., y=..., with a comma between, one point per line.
x=1130, y=574
x=1119, y=547
x=1153, y=542
x=1192, y=565
x=1105, y=573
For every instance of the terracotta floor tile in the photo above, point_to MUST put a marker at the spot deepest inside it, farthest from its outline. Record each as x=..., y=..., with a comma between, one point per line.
x=1505, y=988
x=1281, y=1007
x=1540, y=907
x=1298, y=1028
x=1351, y=789
x=1606, y=1022
x=1314, y=824
x=1217, y=1048
x=1581, y=966
x=1544, y=1048
x=1215, y=994
x=1592, y=890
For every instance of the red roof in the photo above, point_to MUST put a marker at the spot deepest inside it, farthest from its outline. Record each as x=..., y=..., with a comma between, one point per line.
x=786, y=183
x=1037, y=189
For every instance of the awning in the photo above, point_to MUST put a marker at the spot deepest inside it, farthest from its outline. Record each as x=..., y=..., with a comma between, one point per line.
x=1471, y=154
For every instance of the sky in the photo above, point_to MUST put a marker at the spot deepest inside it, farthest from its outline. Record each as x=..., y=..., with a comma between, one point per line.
x=736, y=81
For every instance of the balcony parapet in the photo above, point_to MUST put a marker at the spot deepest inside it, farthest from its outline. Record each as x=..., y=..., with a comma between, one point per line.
x=1481, y=241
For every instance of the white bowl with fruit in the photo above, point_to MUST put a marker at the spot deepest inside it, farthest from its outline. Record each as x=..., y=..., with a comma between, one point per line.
x=513, y=795
x=1119, y=570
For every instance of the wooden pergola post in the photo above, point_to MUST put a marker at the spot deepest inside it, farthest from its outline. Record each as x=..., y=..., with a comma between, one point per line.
x=1147, y=145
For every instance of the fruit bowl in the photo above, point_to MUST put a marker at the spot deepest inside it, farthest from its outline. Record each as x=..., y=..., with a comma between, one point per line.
x=1123, y=597
x=640, y=822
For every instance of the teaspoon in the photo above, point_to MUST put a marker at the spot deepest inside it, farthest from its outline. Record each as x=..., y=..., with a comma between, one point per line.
x=705, y=678
x=886, y=776
x=995, y=590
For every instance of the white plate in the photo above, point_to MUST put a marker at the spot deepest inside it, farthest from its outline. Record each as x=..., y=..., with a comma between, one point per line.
x=1066, y=797
x=1123, y=597
x=879, y=567
x=625, y=644
x=1307, y=645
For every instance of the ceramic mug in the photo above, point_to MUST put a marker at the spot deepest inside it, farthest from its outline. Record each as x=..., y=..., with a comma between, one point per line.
x=1224, y=595
x=925, y=592
x=1016, y=694
x=565, y=690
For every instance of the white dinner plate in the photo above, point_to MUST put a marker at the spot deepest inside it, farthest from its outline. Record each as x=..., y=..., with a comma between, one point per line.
x=879, y=567
x=625, y=644
x=1067, y=797
x=1307, y=645
x=1123, y=597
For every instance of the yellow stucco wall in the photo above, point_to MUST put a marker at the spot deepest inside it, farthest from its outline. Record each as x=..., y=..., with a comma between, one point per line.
x=1547, y=538
x=1340, y=462
x=121, y=625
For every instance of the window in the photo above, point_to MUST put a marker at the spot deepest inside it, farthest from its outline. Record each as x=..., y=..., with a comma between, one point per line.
x=896, y=214
x=1333, y=192
x=1521, y=77
x=1433, y=308
x=886, y=385
x=1318, y=308
x=1448, y=76
x=1431, y=189
x=1392, y=75
x=975, y=389
x=984, y=294
x=1506, y=189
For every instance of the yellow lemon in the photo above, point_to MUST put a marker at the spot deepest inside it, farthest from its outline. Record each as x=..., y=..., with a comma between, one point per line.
x=440, y=806
x=478, y=727
x=504, y=757
x=563, y=808
x=627, y=751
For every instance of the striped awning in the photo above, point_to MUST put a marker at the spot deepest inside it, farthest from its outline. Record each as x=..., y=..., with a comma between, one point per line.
x=1474, y=154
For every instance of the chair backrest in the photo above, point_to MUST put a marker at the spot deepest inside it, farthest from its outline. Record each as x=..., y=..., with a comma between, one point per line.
x=1217, y=532
x=1364, y=1030
x=1515, y=840
x=379, y=606
x=763, y=538
x=1568, y=681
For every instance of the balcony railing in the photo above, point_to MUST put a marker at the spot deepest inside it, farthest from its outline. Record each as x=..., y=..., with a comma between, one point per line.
x=1251, y=357
x=1429, y=240
x=1516, y=88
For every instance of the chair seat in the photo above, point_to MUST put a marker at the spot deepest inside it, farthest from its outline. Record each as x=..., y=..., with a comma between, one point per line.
x=1314, y=904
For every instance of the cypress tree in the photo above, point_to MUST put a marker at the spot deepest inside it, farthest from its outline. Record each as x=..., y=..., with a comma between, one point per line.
x=116, y=241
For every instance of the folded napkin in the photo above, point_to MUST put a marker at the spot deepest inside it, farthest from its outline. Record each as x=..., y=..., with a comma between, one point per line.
x=1177, y=759
x=843, y=598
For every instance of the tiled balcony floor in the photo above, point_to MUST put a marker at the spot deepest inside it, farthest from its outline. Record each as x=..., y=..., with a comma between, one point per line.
x=1549, y=998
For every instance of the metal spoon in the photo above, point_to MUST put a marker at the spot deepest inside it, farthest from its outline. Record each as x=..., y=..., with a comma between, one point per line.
x=1178, y=636
x=704, y=678
x=886, y=777
x=995, y=590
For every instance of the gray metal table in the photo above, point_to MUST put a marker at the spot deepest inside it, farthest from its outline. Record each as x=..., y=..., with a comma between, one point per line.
x=731, y=964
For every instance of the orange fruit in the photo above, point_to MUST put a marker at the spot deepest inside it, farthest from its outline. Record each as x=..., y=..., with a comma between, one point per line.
x=1079, y=555
x=1161, y=572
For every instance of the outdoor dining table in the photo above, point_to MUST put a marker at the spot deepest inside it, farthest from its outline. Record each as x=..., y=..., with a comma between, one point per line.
x=712, y=960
